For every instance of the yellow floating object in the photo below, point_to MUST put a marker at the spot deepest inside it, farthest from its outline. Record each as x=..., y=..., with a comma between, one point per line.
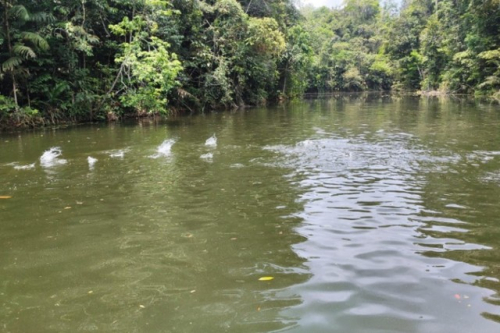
x=5, y=196
x=266, y=278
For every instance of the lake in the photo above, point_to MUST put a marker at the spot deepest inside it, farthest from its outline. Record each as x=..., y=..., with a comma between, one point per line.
x=355, y=213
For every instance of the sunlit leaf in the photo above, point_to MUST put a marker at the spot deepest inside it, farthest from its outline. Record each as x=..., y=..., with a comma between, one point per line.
x=5, y=196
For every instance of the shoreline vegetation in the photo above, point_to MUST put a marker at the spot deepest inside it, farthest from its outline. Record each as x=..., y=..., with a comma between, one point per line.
x=104, y=60
x=149, y=118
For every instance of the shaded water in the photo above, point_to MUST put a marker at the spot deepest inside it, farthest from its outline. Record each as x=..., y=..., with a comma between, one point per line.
x=373, y=214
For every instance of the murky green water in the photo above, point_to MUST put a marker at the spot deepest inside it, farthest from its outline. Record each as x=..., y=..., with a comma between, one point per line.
x=373, y=214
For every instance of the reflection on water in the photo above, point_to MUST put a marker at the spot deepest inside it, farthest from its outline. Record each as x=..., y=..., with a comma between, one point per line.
x=372, y=213
x=366, y=225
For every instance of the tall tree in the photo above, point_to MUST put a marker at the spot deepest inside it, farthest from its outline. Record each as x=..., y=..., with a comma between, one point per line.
x=21, y=41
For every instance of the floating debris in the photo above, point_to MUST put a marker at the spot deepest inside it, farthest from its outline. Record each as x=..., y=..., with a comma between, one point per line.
x=266, y=278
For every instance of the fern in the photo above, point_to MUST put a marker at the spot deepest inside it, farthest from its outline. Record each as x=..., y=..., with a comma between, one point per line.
x=24, y=51
x=35, y=39
x=11, y=63
x=42, y=17
x=59, y=88
x=490, y=82
x=20, y=12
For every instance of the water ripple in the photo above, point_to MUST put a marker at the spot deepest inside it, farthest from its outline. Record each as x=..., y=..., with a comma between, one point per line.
x=372, y=243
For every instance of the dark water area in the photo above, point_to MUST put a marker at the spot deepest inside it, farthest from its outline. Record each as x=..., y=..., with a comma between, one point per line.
x=371, y=213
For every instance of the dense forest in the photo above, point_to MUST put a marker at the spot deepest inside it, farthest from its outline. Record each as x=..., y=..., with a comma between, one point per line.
x=86, y=60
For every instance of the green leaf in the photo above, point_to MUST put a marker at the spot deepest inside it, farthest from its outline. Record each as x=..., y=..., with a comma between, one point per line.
x=11, y=63
x=24, y=51
x=35, y=39
x=20, y=12
x=42, y=17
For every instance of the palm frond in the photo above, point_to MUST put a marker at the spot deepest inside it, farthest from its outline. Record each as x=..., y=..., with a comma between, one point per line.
x=59, y=88
x=42, y=17
x=20, y=12
x=35, y=39
x=24, y=51
x=11, y=63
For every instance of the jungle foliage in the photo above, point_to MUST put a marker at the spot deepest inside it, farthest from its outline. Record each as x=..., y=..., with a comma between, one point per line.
x=86, y=60
x=451, y=46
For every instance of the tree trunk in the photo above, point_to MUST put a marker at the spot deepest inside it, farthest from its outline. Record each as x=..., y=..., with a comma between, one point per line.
x=284, y=79
x=14, y=90
x=9, y=47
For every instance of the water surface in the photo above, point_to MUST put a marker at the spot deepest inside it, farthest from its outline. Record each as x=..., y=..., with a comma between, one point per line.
x=371, y=213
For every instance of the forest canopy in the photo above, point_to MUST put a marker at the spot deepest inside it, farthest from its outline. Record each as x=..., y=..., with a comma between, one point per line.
x=86, y=60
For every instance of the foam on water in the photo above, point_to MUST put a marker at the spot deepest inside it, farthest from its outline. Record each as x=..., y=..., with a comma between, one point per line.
x=207, y=157
x=117, y=153
x=211, y=141
x=51, y=158
x=24, y=167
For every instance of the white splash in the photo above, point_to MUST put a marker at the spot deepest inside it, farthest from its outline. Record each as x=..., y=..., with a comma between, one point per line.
x=164, y=149
x=207, y=157
x=211, y=141
x=24, y=167
x=117, y=154
x=237, y=165
x=91, y=161
x=51, y=158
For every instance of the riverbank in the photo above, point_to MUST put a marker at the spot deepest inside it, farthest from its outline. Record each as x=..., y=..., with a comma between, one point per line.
x=12, y=123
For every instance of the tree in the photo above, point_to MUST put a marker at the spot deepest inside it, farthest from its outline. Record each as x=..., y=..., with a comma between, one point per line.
x=147, y=70
x=20, y=41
